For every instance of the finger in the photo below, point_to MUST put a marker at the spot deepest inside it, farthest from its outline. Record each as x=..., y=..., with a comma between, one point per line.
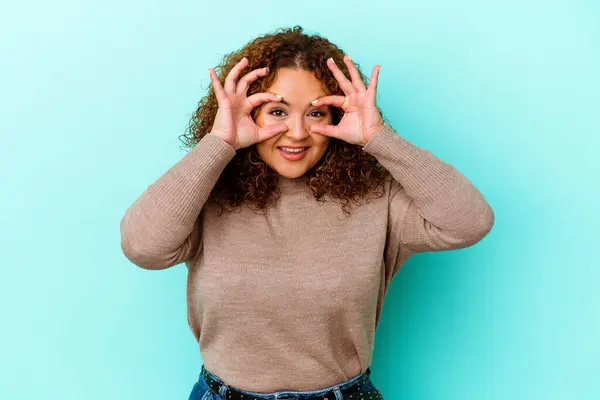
x=357, y=81
x=219, y=92
x=327, y=130
x=336, y=101
x=269, y=131
x=345, y=84
x=372, y=90
x=257, y=99
x=233, y=74
x=250, y=77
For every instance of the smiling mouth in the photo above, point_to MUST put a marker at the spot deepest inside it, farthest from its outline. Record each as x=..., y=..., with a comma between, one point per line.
x=293, y=154
x=293, y=150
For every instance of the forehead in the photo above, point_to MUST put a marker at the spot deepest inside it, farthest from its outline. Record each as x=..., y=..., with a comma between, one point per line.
x=297, y=84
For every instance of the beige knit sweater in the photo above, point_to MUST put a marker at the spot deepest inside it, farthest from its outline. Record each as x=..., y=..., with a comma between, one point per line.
x=290, y=300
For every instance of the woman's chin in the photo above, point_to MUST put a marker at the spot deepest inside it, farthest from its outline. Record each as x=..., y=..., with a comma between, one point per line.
x=290, y=172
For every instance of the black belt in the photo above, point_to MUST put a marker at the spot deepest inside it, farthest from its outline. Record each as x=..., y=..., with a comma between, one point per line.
x=351, y=392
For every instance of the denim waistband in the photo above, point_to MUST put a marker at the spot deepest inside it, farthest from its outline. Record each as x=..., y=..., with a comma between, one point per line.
x=334, y=390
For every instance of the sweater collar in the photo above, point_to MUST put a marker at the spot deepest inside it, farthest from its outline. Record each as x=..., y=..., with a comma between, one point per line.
x=291, y=184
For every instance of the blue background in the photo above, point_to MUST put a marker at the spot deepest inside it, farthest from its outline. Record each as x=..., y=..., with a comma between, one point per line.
x=95, y=95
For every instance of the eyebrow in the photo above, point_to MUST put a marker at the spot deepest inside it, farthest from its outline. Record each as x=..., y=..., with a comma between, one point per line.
x=282, y=101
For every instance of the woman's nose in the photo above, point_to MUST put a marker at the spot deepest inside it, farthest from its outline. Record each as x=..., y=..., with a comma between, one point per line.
x=298, y=129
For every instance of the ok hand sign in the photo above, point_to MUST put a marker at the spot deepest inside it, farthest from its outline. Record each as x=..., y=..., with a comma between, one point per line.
x=233, y=122
x=362, y=119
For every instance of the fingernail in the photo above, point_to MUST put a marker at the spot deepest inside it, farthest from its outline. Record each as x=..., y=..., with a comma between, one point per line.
x=314, y=102
x=331, y=58
x=349, y=57
x=266, y=69
x=281, y=97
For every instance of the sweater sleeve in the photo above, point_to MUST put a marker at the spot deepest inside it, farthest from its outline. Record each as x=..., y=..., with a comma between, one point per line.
x=161, y=228
x=432, y=206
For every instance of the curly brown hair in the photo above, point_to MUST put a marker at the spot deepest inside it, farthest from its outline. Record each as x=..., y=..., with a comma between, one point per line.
x=345, y=171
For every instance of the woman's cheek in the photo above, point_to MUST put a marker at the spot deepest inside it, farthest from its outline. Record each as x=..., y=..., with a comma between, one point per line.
x=274, y=119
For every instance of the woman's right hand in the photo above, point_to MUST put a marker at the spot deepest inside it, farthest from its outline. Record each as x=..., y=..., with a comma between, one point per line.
x=233, y=122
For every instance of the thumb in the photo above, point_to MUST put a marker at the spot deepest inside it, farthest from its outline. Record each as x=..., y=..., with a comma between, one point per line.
x=269, y=131
x=327, y=130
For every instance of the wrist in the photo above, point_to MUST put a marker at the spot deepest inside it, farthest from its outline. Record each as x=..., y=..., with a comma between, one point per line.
x=374, y=131
x=223, y=139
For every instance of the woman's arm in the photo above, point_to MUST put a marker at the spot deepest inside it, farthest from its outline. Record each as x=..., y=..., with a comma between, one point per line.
x=161, y=228
x=432, y=206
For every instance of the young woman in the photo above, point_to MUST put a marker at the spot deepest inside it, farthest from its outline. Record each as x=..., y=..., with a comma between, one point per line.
x=293, y=211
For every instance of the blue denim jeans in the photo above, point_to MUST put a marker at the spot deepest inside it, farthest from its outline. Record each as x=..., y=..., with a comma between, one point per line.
x=201, y=390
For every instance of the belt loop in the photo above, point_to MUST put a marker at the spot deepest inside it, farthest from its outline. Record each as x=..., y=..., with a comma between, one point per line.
x=338, y=393
x=223, y=390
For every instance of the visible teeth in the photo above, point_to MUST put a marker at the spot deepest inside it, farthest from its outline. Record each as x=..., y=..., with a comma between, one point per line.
x=293, y=150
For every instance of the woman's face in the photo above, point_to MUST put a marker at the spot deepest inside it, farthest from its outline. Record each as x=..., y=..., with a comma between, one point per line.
x=298, y=88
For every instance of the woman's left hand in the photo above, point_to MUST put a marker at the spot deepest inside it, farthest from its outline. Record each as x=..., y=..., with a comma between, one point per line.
x=361, y=118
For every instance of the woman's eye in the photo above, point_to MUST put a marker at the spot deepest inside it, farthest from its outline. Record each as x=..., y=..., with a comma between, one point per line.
x=317, y=114
x=278, y=112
